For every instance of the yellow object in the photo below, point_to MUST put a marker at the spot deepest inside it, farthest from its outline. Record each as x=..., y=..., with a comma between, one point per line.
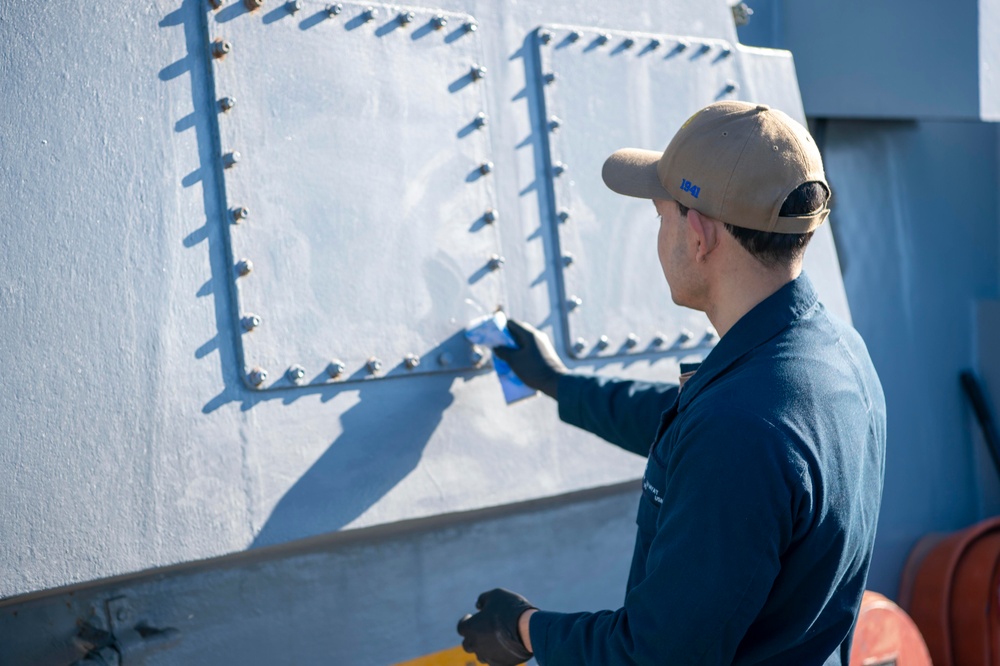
x=455, y=656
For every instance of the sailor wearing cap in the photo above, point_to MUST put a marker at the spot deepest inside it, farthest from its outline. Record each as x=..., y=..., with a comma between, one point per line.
x=764, y=476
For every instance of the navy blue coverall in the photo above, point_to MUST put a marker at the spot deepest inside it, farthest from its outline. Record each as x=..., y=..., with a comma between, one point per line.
x=759, y=502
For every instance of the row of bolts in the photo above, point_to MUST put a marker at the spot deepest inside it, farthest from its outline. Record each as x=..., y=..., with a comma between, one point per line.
x=373, y=365
x=336, y=368
x=438, y=22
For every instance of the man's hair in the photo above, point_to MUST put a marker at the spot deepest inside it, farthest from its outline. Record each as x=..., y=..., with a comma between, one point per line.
x=773, y=249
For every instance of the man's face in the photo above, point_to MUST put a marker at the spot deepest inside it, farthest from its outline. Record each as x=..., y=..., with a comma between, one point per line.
x=676, y=255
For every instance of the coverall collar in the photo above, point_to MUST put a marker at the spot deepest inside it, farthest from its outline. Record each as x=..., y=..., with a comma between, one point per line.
x=756, y=327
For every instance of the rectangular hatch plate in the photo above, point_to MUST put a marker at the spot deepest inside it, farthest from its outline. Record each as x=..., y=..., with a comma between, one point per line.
x=359, y=170
x=604, y=90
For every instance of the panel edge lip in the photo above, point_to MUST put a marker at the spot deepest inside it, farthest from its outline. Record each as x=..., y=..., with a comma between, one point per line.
x=549, y=213
x=221, y=214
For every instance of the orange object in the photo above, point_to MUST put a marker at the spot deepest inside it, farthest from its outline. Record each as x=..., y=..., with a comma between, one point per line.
x=455, y=656
x=886, y=635
x=950, y=587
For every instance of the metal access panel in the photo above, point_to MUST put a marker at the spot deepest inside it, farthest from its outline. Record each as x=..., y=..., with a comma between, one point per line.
x=357, y=166
x=604, y=90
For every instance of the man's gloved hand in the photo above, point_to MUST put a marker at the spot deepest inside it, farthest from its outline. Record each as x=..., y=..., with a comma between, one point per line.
x=492, y=633
x=535, y=360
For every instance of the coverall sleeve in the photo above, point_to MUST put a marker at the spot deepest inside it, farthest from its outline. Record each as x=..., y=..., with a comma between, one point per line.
x=714, y=550
x=625, y=413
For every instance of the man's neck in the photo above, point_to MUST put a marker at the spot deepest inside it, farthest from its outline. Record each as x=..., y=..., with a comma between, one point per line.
x=740, y=290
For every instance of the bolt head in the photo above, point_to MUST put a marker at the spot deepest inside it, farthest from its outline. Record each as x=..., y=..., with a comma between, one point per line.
x=373, y=365
x=411, y=361
x=711, y=333
x=220, y=48
x=478, y=72
x=654, y=44
x=476, y=355
x=684, y=336
x=407, y=17
x=250, y=322
x=603, y=38
x=335, y=368
x=545, y=36
x=731, y=86
x=550, y=77
x=439, y=22
x=632, y=340
x=554, y=123
x=227, y=103
x=244, y=267
x=603, y=342
x=293, y=6
x=574, y=302
x=563, y=215
x=445, y=358
x=214, y=4
x=567, y=260
x=741, y=13
x=334, y=9
x=481, y=120
x=240, y=214
x=573, y=36
x=628, y=43
x=485, y=168
x=231, y=159
x=253, y=4
x=558, y=168
x=258, y=376
x=579, y=345
x=490, y=216
x=496, y=262
x=682, y=45
x=296, y=374
x=471, y=26
x=659, y=340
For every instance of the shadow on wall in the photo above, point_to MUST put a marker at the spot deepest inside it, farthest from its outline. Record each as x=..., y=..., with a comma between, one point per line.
x=383, y=438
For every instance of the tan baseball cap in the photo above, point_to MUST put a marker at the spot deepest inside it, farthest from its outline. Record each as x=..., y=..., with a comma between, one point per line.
x=732, y=161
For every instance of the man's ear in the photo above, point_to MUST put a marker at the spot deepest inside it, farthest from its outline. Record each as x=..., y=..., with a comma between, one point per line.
x=706, y=233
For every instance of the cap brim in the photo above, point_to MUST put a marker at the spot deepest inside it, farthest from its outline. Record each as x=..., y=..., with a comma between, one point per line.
x=632, y=172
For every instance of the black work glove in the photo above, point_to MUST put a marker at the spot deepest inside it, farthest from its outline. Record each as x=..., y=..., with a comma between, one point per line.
x=492, y=632
x=535, y=360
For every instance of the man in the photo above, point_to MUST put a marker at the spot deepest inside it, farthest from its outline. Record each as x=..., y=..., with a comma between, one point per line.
x=764, y=478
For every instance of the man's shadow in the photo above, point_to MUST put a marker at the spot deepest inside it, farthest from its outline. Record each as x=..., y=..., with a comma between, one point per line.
x=383, y=437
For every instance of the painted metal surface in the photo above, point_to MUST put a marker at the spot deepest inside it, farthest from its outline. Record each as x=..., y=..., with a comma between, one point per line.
x=898, y=59
x=369, y=597
x=918, y=227
x=129, y=439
